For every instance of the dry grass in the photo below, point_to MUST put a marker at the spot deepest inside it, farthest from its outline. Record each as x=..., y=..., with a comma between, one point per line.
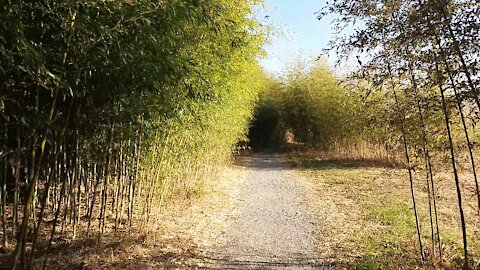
x=176, y=239
x=365, y=214
x=368, y=219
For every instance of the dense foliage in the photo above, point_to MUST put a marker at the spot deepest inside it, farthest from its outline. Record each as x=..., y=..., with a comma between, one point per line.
x=309, y=105
x=317, y=109
x=109, y=107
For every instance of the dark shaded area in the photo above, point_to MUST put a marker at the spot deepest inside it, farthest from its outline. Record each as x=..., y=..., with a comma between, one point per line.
x=264, y=129
x=323, y=164
x=246, y=261
x=262, y=162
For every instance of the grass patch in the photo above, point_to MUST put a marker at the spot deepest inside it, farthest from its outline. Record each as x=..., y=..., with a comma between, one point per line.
x=396, y=219
x=367, y=263
x=368, y=215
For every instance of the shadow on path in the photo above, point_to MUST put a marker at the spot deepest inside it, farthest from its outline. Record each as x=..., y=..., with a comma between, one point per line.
x=325, y=164
x=262, y=162
x=238, y=261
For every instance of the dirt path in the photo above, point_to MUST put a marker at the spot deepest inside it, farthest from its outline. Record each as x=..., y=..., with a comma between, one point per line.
x=272, y=227
x=254, y=216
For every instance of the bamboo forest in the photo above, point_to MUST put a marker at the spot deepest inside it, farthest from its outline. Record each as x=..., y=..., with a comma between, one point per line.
x=240, y=134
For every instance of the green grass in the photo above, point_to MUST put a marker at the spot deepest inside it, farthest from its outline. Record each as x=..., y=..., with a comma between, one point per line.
x=367, y=263
x=395, y=232
x=396, y=216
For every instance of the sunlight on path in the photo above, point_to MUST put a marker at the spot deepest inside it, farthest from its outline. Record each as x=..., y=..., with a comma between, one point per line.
x=273, y=227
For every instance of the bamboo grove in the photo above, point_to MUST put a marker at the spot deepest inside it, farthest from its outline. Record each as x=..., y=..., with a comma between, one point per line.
x=419, y=60
x=310, y=103
x=109, y=108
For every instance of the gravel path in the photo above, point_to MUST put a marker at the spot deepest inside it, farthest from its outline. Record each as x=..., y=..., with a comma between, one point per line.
x=256, y=215
x=273, y=228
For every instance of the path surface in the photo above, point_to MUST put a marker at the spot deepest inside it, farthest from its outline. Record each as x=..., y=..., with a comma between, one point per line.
x=272, y=227
x=254, y=216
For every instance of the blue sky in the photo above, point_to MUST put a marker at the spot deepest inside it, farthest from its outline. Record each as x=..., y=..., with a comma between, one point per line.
x=299, y=32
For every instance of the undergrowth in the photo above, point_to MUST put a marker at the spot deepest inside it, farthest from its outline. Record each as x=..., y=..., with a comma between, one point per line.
x=371, y=222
